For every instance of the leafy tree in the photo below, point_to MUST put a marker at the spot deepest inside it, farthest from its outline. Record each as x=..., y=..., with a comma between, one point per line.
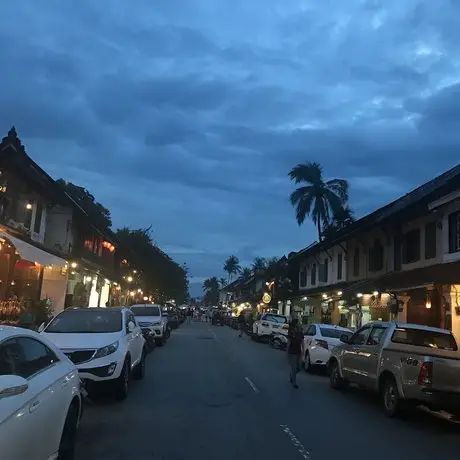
x=272, y=267
x=319, y=199
x=259, y=264
x=95, y=210
x=245, y=273
x=342, y=219
x=211, y=291
x=232, y=266
x=159, y=274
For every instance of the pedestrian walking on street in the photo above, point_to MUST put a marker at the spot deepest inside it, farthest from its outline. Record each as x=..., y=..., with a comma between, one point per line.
x=294, y=350
x=241, y=323
x=189, y=316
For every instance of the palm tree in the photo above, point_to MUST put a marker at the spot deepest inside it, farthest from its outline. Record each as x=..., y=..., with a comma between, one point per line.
x=245, y=273
x=319, y=199
x=211, y=291
x=272, y=261
x=206, y=286
x=232, y=266
x=343, y=218
x=258, y=264
x=222, y=282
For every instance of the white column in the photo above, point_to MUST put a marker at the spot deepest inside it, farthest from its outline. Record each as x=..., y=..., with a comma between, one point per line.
x=94, y=295
x=453, y=298
x=402, y=315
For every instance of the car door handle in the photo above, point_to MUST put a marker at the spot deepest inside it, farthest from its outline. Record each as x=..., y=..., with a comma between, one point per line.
x=64, y=383
x=34, y=406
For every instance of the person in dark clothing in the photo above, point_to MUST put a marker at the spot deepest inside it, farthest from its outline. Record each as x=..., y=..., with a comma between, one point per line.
x=294, y=349
x=189, y=316
x=241, y=323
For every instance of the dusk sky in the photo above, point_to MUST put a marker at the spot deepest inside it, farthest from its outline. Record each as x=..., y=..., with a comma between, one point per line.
x=187, y=115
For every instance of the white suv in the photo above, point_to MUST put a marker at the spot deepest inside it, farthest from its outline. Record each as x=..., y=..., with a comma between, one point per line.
x=106, y=345
x=267, y=324
x=150, y=316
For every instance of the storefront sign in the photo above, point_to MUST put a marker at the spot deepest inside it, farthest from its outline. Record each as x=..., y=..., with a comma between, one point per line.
x=266, y=298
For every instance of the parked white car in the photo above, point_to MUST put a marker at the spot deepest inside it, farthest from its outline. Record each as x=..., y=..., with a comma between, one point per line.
x=267, y=324
x=319, y=341
x=150, y=316
x=106, y=344
x=40, y=399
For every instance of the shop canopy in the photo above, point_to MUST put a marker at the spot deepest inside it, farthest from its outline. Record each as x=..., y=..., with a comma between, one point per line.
x=32, y=253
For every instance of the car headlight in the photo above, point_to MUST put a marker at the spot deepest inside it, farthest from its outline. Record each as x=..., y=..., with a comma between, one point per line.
x=108, y=350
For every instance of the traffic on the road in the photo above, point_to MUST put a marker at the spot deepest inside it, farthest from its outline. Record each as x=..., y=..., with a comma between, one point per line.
x=215, y=392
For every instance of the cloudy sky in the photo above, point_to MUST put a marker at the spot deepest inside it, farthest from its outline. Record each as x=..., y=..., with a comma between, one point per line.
x=188, y=114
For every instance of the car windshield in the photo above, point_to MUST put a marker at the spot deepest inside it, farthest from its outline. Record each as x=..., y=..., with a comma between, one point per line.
x=146, y=311
x=332, y=332
x=276, y=318
x=86, y=321
x=424, y=338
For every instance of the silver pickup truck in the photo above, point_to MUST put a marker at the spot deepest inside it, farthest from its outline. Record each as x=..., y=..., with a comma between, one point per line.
x=405, y=363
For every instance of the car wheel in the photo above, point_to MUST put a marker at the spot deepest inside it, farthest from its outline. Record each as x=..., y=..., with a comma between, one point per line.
x=167, y=333
x=335, y=379
x=160, y=342
x=139, y=372
x=69, y=434
x=122, y=383
x=307, y=363
x=391, y=401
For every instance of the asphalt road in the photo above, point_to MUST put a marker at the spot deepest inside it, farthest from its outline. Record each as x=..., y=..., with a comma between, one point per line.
x=210, y=395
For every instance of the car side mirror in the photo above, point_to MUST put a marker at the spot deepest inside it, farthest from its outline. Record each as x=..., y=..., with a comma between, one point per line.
x=41, y=328
x=345, y=338
x=131, y=326
x=12, y=385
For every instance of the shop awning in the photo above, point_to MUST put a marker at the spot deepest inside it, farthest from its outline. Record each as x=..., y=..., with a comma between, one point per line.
x=32, y=253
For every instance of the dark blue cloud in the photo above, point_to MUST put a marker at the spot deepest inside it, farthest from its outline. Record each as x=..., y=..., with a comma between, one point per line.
x=188, y=115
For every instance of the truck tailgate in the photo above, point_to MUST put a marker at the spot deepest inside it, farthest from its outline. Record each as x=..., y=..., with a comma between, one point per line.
x=446, y=372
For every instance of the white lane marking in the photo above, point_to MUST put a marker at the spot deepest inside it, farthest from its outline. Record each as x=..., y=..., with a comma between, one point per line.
x=297, y=444
x=251, y=384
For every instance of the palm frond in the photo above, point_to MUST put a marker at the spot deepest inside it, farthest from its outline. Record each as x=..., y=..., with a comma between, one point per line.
x=339, y=187
x=309, y=172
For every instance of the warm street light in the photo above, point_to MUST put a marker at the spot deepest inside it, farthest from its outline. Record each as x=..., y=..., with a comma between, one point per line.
x=129, y=279
x=74, y=265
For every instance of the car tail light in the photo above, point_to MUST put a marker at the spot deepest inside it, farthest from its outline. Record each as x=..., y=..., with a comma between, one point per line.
x=322, y=344
x=425, y=376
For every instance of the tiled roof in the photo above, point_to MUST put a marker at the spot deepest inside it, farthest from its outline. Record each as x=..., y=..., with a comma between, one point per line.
x=12, y=140
x=378, y=216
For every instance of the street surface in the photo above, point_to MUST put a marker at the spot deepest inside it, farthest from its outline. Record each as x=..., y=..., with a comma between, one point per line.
x=210, y=395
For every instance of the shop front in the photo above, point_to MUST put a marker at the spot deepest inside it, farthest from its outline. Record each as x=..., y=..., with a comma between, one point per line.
x=87, y=288
x=31, y=280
